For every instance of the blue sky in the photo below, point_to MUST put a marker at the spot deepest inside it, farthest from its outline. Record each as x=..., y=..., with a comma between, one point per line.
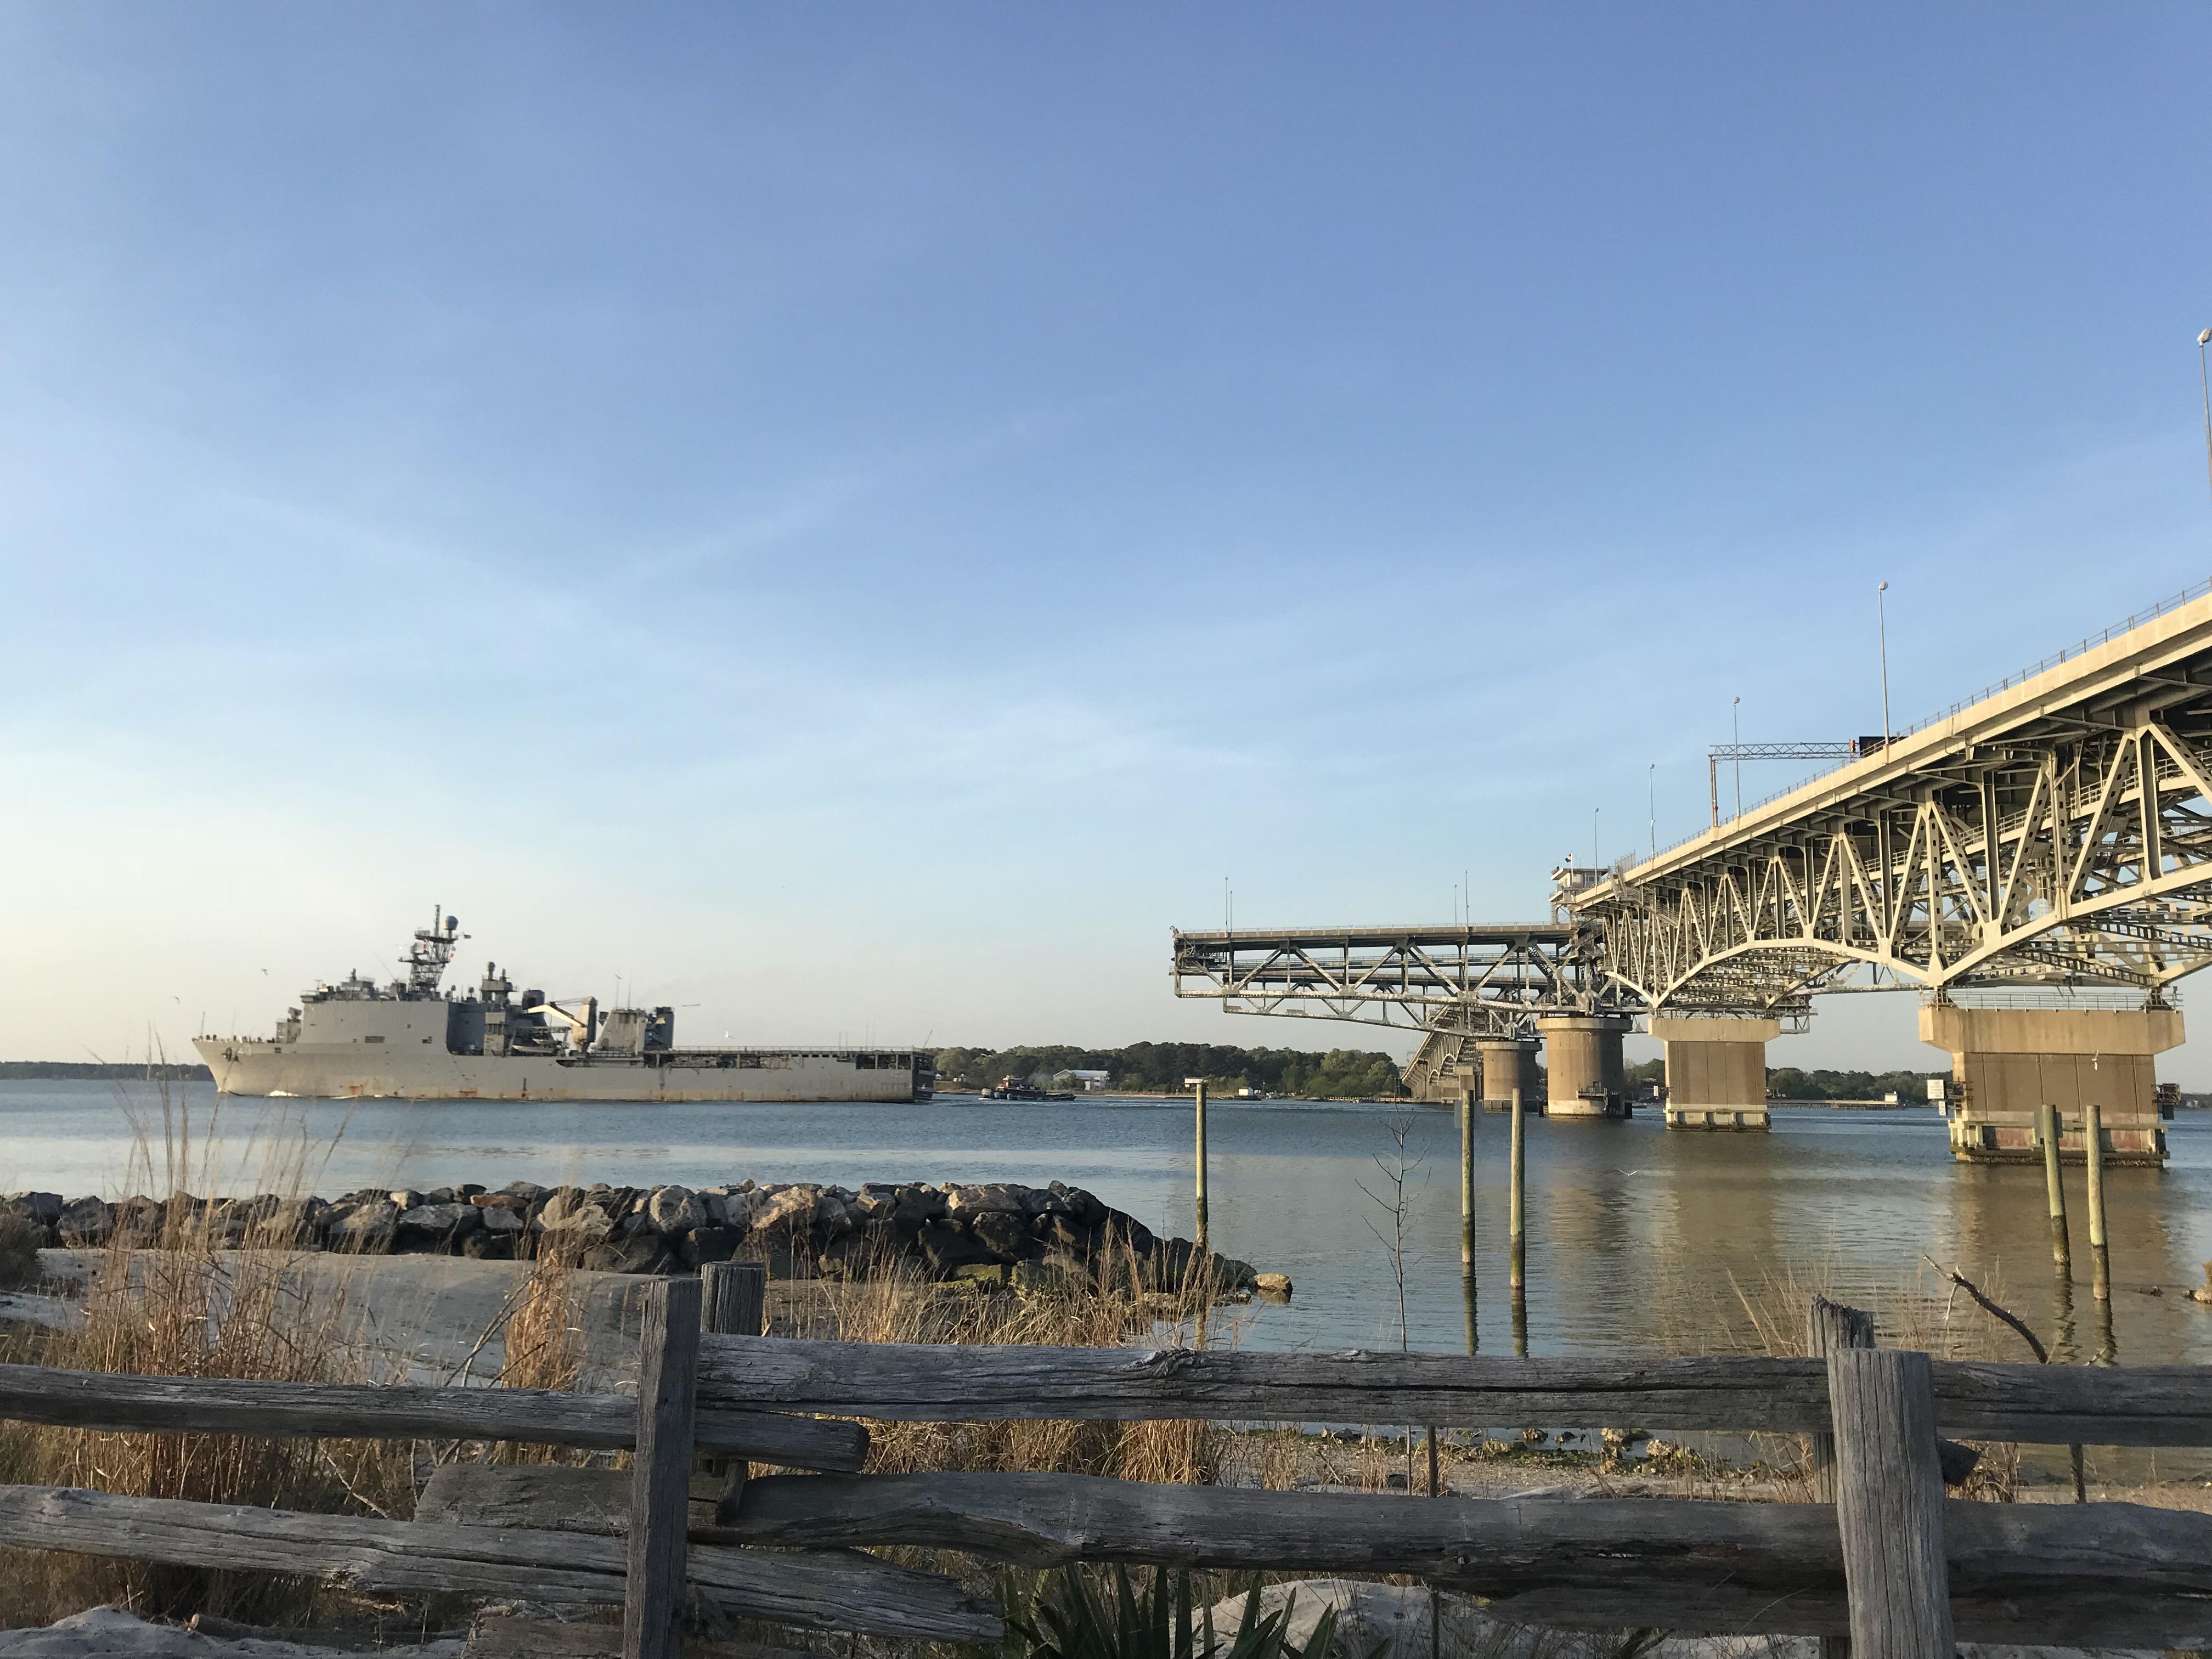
x=858, y=519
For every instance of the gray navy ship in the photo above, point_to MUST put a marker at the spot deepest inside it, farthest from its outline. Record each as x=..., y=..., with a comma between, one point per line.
x=412, y=1040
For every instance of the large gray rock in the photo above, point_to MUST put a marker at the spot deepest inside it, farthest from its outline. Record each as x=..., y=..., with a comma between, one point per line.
x=365, y=1229
x=441, y=1220
x=84, y=1222
x=499, y=1219
x=993, y=1198
x=44, y=1208
x=788, y=1207
x=674, y=1211
x=572, y=1212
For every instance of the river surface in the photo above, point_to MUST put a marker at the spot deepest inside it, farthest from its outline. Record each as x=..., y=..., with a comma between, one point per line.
x=1637, y=1239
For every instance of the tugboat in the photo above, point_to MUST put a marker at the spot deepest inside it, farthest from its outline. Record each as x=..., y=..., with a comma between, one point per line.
x=1011, y=1089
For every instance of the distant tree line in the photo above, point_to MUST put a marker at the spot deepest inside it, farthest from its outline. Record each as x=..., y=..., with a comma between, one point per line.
x=1161, y=1068
x=1787, y=1083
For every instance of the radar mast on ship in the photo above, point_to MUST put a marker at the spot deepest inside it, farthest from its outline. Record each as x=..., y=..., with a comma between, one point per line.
x=433, y=949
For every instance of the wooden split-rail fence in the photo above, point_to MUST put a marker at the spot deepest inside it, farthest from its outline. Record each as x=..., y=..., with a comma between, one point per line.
x=1884, y=1558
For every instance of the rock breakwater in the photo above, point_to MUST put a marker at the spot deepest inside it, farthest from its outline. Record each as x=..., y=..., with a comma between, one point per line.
x=992, y=1233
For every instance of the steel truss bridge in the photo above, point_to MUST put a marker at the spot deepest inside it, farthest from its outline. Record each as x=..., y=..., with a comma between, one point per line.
x=1462, y=984
x=2054, y=834
x=1489, y=981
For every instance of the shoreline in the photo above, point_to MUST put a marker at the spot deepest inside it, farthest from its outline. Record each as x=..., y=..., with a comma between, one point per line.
x=984, y=1233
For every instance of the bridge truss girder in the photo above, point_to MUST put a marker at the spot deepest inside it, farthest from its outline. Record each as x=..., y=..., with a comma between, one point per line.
x=2073, y=846
x=1474, y=982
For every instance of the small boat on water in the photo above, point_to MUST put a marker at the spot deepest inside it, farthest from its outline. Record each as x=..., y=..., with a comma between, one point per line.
x=1009, y=1089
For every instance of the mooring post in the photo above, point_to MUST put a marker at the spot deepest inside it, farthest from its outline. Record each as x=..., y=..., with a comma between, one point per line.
x=2093, y=1148
x=661, y=1471
x=736, y=1305
x=1516, y=1236
x=1889, y=1503
x=1466, y=1186
x=1198, y=1084
x=1517, y=1178
x=2048, y=1128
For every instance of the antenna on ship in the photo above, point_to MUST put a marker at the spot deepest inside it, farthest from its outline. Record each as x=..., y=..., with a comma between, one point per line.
x=433, y=949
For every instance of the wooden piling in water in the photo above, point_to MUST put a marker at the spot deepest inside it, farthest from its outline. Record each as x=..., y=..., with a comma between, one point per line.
x=2048, y=1129
x=660, y=1471
x=1199, y=1112
x=1516, y=1212
x=2092, y=1147
x=1466, y=1186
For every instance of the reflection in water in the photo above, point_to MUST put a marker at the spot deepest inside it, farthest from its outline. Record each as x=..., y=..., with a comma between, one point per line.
x=2064, y=1348
x=1638, y=1239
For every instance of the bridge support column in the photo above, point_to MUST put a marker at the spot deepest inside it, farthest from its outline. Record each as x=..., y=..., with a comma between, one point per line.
x=2006, y=1062
x=1507, y=1064
x=1583, y=1064
x=1716, y=1070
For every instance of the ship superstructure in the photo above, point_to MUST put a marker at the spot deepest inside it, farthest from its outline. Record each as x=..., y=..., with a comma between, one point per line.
x=412, y=1039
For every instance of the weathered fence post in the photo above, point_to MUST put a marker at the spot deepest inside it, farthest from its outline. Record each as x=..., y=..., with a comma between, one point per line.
x=661, y=1471
x=2093, y=1148
x=2048, y=1128
x=1830, y=1326
x=1889, y=1503
x=736, y=1305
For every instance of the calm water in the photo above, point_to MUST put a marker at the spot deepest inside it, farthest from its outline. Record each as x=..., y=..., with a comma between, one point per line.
x=1637, y=1237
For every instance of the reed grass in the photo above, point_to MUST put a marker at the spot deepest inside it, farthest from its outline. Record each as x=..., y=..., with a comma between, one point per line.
x=893, y=1302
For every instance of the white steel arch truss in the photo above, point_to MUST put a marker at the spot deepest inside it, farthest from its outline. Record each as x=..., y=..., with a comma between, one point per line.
x=2058, y=835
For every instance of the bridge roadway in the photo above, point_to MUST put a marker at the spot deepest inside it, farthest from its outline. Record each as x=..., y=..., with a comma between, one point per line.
x=2020, y=859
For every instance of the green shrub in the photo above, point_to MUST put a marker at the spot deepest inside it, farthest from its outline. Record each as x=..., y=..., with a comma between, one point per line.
x=1067, y=1621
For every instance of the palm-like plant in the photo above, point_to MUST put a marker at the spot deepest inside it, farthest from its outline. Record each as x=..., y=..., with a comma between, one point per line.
x=1067, y=1620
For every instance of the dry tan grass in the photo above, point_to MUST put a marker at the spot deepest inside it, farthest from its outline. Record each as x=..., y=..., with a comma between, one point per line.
x=194, y=1310
x=895, y=1303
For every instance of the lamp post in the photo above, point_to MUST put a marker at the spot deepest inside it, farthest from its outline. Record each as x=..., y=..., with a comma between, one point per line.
x=1652, y=801
x=1882, y=630
x=1736, y=728
x=1595, y=866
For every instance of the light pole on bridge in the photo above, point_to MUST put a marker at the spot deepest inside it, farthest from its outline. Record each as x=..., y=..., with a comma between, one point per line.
x=1736, y=728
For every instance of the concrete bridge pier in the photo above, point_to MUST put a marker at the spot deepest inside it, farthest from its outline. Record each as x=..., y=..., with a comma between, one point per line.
x=2006, y=1062
x=1509, y=1063
x=1583, y=1065
x=1716, y=1070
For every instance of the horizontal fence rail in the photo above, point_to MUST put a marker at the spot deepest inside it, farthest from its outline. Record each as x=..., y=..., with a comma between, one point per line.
x=174, y=1404
x=823, y=1592
x=2019, y=1572
x=2058, y=1404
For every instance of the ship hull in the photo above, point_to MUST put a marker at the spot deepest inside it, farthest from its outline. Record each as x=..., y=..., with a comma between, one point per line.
x=343, y=1072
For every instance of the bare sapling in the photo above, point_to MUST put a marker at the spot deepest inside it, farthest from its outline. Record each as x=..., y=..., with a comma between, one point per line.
x=1397, y=1168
